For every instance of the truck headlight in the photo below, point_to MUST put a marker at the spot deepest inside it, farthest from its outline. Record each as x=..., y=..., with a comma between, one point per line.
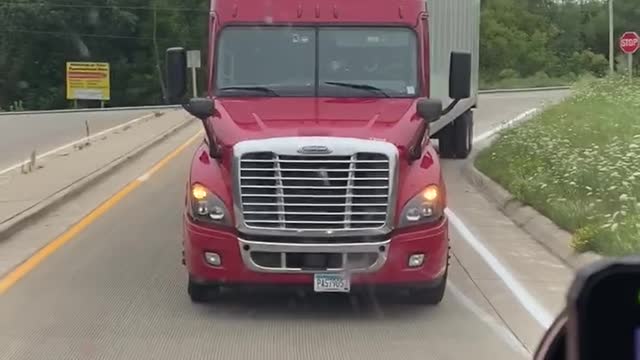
x=207, y=207
x=424, y=208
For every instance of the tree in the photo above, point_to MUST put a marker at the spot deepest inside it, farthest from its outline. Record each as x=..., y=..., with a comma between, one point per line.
x=514, y=38
x=519, y=38
x=128, y=34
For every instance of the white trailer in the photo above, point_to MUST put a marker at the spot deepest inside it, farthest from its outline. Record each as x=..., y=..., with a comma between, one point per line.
x=454, y=26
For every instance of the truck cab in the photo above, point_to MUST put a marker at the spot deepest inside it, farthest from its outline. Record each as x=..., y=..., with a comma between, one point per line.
x=318, y=170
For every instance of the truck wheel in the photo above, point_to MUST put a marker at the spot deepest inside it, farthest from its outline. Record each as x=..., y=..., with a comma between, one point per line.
x=464, y=134
x=429, y=295
x=456, y=139
x=446, y=142
x=198, y=293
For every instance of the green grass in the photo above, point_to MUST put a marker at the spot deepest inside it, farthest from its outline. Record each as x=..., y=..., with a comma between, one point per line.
x=579, y=164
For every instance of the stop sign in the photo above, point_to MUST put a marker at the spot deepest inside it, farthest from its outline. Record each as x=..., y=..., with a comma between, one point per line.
x=630, y=42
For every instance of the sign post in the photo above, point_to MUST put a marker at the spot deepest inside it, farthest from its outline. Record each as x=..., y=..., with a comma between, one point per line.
x=88, y=81
x=193, y=62
x=629, y=44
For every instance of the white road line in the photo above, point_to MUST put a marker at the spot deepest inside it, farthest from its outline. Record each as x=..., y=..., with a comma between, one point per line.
x=76, y=142
x=499, y=328
x=537, y=311
x=522, y=117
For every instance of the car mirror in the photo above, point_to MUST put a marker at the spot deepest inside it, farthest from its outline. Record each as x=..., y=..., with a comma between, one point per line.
x=460, y=75
x=429, y=109
x=202, y=108
x=176, y=74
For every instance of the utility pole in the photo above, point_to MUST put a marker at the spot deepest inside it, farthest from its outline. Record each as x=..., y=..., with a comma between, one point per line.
x=611, y=40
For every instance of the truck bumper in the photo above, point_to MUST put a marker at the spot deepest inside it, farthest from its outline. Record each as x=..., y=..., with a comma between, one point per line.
x=234, y=269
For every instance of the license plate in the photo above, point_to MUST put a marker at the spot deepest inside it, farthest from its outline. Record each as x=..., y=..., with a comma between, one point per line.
x=331, y=283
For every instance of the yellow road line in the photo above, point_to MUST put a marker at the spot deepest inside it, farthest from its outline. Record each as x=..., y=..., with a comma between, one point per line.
x=31, y=263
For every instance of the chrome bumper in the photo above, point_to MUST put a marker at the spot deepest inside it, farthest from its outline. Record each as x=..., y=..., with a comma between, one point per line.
x=381, y=249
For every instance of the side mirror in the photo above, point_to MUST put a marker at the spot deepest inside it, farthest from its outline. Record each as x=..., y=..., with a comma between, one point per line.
x=600, y=318
x=429, y=109
x=553, y=345
x=176, y=74
x=202, y=108
x=460, y=75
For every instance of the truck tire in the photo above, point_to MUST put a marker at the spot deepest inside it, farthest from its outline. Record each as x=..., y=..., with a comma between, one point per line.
x=198, y=293
x=464, y=135
x=446, y=142
x=456, y=139
x=430, y=295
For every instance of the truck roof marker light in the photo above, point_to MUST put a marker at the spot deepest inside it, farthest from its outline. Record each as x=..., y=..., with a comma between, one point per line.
x=199, y=192
x=234, y=13
x=430, y=193
x=299, y=10
x=317, y=10
x=400, y=13
x=335, y=11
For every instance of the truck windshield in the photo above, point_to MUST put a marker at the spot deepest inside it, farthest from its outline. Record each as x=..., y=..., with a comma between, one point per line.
x=307, y=62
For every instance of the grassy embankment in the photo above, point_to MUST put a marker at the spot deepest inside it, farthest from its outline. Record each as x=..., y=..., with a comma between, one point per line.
x=579, y=164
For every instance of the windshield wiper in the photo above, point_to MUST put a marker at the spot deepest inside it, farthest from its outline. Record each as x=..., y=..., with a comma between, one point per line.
x=365, y=87
x=261, y=89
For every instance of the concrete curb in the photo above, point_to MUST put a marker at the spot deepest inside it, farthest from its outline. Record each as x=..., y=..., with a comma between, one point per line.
x=539, y=227
x=50, y=203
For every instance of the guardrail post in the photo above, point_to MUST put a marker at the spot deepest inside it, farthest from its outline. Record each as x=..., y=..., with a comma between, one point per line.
x=32, y=161
x=88, y=132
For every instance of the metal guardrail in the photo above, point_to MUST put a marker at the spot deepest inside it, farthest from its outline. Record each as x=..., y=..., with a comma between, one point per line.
x=160, y=107
x=62, y=111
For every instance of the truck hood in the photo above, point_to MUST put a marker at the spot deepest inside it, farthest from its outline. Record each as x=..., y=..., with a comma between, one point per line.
x=391, y=120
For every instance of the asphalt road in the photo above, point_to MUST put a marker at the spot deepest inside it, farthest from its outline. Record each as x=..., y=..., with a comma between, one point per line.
x=118, y=291
x=21, y=134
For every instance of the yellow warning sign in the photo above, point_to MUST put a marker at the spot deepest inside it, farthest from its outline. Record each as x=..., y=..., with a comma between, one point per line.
x=88, y=81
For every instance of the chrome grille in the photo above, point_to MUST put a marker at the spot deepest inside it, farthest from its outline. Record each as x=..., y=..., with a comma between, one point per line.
x=318, y=192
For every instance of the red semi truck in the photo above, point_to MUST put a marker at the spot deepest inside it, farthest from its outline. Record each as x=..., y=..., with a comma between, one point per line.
x=317, y=170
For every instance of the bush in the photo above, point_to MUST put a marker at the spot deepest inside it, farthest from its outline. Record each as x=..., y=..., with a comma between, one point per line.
x=541, y=75
x=508, y=74
x=588, y=62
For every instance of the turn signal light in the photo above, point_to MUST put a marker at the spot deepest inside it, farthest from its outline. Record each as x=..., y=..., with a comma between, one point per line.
x=430, y=193
x=199, y=192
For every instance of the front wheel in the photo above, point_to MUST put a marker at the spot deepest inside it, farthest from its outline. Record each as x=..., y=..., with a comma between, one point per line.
x=200, y=293
x=429, y=295
x=456, y=139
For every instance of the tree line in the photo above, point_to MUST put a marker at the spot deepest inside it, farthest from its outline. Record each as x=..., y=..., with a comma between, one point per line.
x=519, y=39
x=554, y=38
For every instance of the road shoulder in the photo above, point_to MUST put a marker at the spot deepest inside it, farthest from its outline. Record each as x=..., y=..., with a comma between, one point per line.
x=540, y=276
x=28, y=194
x=44, y=227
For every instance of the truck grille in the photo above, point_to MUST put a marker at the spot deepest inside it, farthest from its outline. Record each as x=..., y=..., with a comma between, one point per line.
x=298, y=192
